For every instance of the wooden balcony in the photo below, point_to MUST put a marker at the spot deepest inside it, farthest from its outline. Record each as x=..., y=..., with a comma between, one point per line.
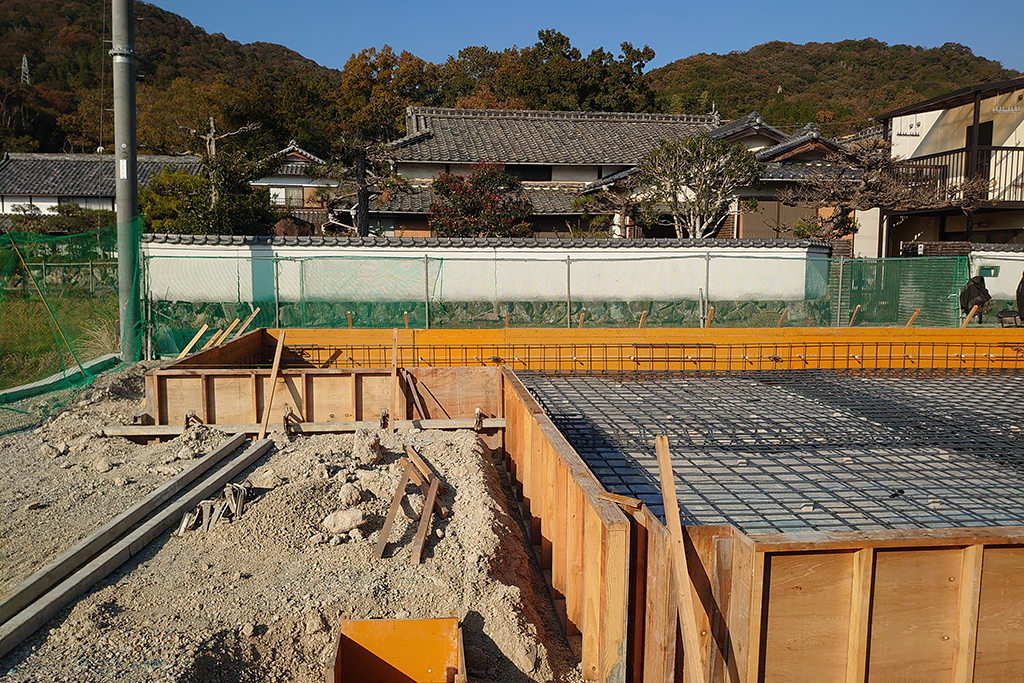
x=1003, y=166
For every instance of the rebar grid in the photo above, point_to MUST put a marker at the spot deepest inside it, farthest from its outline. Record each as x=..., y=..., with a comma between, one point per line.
x=805, y=450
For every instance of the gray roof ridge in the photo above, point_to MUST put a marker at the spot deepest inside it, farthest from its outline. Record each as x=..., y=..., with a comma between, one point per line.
x=451, y=112
x=90, y=156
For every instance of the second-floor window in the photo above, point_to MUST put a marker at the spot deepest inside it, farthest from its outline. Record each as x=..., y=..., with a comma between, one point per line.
x=529, y=173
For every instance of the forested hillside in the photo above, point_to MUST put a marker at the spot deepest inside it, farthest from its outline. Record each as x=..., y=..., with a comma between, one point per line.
x=187, y=75
x=840, y=85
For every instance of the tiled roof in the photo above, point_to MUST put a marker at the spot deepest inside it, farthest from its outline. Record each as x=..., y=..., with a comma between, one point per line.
x=991, y=246
x=750, y=122
x=800, y=170
x=476, y=242
x=539, y=137
x=78, y=175
x=866, y=134
x=297, y=168
x=808, y=133
x=546, y=199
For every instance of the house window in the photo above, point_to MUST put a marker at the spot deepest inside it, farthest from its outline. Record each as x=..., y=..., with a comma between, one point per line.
x=286, y=196
x=529, y=173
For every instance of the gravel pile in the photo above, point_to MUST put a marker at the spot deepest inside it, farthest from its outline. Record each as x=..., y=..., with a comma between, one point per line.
x=258, y=598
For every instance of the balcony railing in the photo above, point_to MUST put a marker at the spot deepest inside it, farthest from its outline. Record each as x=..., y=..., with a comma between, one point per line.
x=1003, y=166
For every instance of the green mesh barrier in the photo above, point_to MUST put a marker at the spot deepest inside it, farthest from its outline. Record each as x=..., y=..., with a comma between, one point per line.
x=59, y=307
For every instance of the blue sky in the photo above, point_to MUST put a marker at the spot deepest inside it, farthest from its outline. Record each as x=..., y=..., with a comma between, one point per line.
x=329, y=32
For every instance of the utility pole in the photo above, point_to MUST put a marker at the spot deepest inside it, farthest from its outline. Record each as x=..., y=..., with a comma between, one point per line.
x=126, y=177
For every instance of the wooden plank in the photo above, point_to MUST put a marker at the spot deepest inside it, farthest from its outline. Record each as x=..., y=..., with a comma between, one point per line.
x=756, y=619
x=614, y=606
x=269, y=398
x=424, y=467
x=721, y=586
x=396, y=503
x=913, y=317
x=547, y=518
x=739, y=607
x=914, y=615
x=29, y=620
x=245, y=325
x=574, y=535
x=970, y=316
x=860, y=615
x=889, y=539
x=560, y=502
x=211, y=340
x=417, y=400
x=694, y=660
x=188, y=347
x=83, y=551
x=159, y=431
x=424, y=485
x=659, y=653
x=528, y=464
x=227, y=332
x=808, y=620
x=1000, y=638
x=593, y=593
x=622, y=501
x=967, y=618
x=425, y=516
x=536, y=446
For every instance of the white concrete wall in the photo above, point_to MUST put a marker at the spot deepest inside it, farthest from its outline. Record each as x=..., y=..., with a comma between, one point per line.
x=940, y=131
x=1011, y=267
x=865, y=240
x=224, y=273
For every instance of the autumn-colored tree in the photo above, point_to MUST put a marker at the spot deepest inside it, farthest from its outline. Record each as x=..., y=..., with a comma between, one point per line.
x=487, y=203
x=695, y=180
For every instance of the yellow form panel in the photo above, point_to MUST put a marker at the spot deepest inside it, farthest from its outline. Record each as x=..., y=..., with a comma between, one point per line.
x=808, y=617
x=914, y=615
x=1000, y=649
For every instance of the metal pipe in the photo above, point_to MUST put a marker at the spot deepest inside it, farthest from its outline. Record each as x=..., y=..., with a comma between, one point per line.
x=839, y=304
x=426, y=289
x=126, y=191
x=568, y=292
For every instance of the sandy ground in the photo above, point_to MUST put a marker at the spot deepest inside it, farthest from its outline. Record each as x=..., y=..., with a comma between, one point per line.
x=258, y=598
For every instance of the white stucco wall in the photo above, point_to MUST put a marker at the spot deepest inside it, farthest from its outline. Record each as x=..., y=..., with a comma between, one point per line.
x=939, y=131
x=225, y=273
x=1011, y=267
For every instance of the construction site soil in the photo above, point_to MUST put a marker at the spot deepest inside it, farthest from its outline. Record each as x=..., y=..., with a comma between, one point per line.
x=259, y=598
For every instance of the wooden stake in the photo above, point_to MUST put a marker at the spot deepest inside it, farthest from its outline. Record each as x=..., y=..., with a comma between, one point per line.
x=424, y=528
x=426, y=470
x=252, y=316
x=853, y=318
x=582, y=313
x=269, y=399
x=693, y=656
x=200, y=333
x=394, y=381
x=406, y=319
x=210, y=341
x=643, y=317
x=969, y=317
x=226, y=332
x=782, y=318
x=396, y=502
x=508, y=315
x=417, y=400
x=349, y=314
x=711, y=315
x=424, y=485
x=913, y=317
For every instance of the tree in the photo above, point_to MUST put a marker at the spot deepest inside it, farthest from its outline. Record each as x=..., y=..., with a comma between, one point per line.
x=696, y=179
x=613, y=205
x=487, y=203
x=868, y=177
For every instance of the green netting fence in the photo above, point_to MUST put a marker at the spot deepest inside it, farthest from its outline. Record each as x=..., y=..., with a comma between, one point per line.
x=59, y=307
x=188, y=291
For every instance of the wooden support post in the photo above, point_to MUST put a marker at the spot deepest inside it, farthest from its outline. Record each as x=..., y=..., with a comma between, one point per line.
x=711, y=315
x=860, y=615
x=406, y=319
x=643, y=317
x=970, y=316
x=508, y=315
x=693, y=654
x=426, y=470
x=424, y=484
x=913, y=317
x=396, y=502
x=245, y=325
x=349, y=314
x=424, y=528
x=417, y=400
x=782, y=318
x=199, y=334
x=226, y=332
x=582, y=313
x=968, y=607
x=210, y=341
x=853, y=318
x=268, y=399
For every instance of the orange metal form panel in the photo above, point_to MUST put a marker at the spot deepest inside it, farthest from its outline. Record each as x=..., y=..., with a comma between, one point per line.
x=398, y=651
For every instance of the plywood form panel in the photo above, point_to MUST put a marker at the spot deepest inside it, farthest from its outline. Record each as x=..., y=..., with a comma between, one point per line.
x=374, y=393
x=808, y=617
x=331, y=398
x=180, y=396
x=287, y=394
x=230, y=399
x=1000, y=644
x=462, y=390
x=914, y=615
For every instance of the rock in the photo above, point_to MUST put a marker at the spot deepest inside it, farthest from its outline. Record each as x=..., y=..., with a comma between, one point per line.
x=349, y=495
x=63, y=448
x=412, y=505
x=321, y=472
x=372, y=481
x=341, y=521
x=315, y=622
x=336, y=540
x=266, y=479
x=185, y=453
x=248, y=630
x=439, y=532
x=34, y=505
x=48, y=451
x=102, y=465
x=316, y=539
x=121, y=481
x=166, y=470
x=366, y=448
x=355, y=535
